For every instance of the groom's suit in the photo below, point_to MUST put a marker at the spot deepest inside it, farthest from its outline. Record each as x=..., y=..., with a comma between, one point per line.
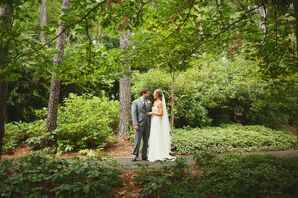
x=139, y=116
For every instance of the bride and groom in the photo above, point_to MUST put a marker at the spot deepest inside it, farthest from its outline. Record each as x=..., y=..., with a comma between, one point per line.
x=151, y=123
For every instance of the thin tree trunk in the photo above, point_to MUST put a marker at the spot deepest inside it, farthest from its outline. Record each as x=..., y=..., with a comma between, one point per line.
x=218, y=4
x=172, y=100
x=5, y=28
x=124, y=90
x=207, y=70
x=43, y=20
x=55, y=82
x=296, y=15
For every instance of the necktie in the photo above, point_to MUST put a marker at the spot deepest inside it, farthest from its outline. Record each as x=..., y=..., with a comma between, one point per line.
x=144, y=104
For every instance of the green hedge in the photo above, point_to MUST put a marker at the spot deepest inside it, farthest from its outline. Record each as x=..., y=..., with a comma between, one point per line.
x=230, y=138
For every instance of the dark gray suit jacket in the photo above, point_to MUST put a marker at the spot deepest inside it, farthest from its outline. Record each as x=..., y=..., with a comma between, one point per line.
x=139, y=113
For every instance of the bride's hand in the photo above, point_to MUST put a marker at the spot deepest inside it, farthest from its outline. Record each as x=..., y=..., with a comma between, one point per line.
x=149, y=113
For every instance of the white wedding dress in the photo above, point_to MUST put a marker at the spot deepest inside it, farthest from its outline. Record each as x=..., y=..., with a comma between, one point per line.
x=160, y=140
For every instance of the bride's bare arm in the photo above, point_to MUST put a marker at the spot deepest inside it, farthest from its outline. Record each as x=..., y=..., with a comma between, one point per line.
x=160, y=110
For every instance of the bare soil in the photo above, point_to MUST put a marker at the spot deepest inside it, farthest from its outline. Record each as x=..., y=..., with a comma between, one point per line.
x=128, y=188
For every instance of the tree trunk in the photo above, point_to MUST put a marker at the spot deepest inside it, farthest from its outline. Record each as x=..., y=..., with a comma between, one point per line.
x=124, y=90
x=218, y=4
x=43, y=20
x=172, y=100
x=296, y=15
x=55, y=82
x=5, y=28
x=207, y=70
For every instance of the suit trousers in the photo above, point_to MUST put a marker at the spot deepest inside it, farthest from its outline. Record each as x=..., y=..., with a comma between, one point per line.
x=143, y=132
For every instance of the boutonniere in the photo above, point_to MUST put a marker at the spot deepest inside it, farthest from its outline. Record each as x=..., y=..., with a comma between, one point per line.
x=148, y=101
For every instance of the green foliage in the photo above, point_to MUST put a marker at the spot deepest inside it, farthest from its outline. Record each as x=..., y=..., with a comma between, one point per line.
x=224, y=176
x=87, y=67
x=252, y=176
x=20, y=132
x=223, y=90
x=86, y=122
x=171, y=36
x=176, y=181
x=275, y=106
x=26, y=96
x=189, y=109
x=229, y=138
x=83, y=122
x=37, y=176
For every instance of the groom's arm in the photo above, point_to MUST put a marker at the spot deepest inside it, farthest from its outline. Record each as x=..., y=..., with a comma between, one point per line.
x=134, y=114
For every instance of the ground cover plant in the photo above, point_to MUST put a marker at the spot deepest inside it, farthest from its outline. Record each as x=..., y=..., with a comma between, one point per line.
x=37, y=176
x=223, y=176
x=230, y=138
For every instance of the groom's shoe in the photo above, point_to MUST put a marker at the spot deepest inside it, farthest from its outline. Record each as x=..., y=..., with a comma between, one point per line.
x=134, y=159
x=145, y=159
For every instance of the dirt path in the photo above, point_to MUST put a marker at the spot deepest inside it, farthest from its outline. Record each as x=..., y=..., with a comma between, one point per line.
x=128, y=188
x=121, y=152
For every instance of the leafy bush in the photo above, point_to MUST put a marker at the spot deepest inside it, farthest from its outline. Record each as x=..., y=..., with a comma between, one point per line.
x=274, y=107
x=225, y=176
x=189, y=109
x=83, y=122
x=86, y=122
x=37, y=176
x=230, y=138
x=224, y=91
x=18, y=132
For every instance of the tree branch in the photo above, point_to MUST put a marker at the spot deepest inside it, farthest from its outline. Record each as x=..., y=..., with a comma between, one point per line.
x=218, y=8
x=89, y=49
x=139, y=13
x=265, y=24
x=15, y=58
x=183, y=22
x=225, y=29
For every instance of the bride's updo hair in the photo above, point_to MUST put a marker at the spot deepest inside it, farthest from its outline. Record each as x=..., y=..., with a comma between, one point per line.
x=159, y=93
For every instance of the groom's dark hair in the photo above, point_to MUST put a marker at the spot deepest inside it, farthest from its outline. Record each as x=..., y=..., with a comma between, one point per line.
x=143, y=91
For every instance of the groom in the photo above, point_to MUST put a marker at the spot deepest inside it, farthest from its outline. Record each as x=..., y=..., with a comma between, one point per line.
x=141, y=124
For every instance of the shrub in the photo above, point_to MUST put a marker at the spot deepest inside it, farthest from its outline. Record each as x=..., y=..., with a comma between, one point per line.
x=18, y=132
x=86, y=122
x=189, y=109
x=224, y=91
x=83, y=122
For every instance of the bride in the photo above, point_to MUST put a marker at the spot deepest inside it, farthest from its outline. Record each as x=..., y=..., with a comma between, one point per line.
x=159, y=140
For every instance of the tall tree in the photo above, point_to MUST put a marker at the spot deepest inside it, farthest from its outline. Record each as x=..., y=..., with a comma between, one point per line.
x=43, y=19
x=296, y=16
x=6, y=10
x=130, y=21
x=55, y=82
x=124, y=89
